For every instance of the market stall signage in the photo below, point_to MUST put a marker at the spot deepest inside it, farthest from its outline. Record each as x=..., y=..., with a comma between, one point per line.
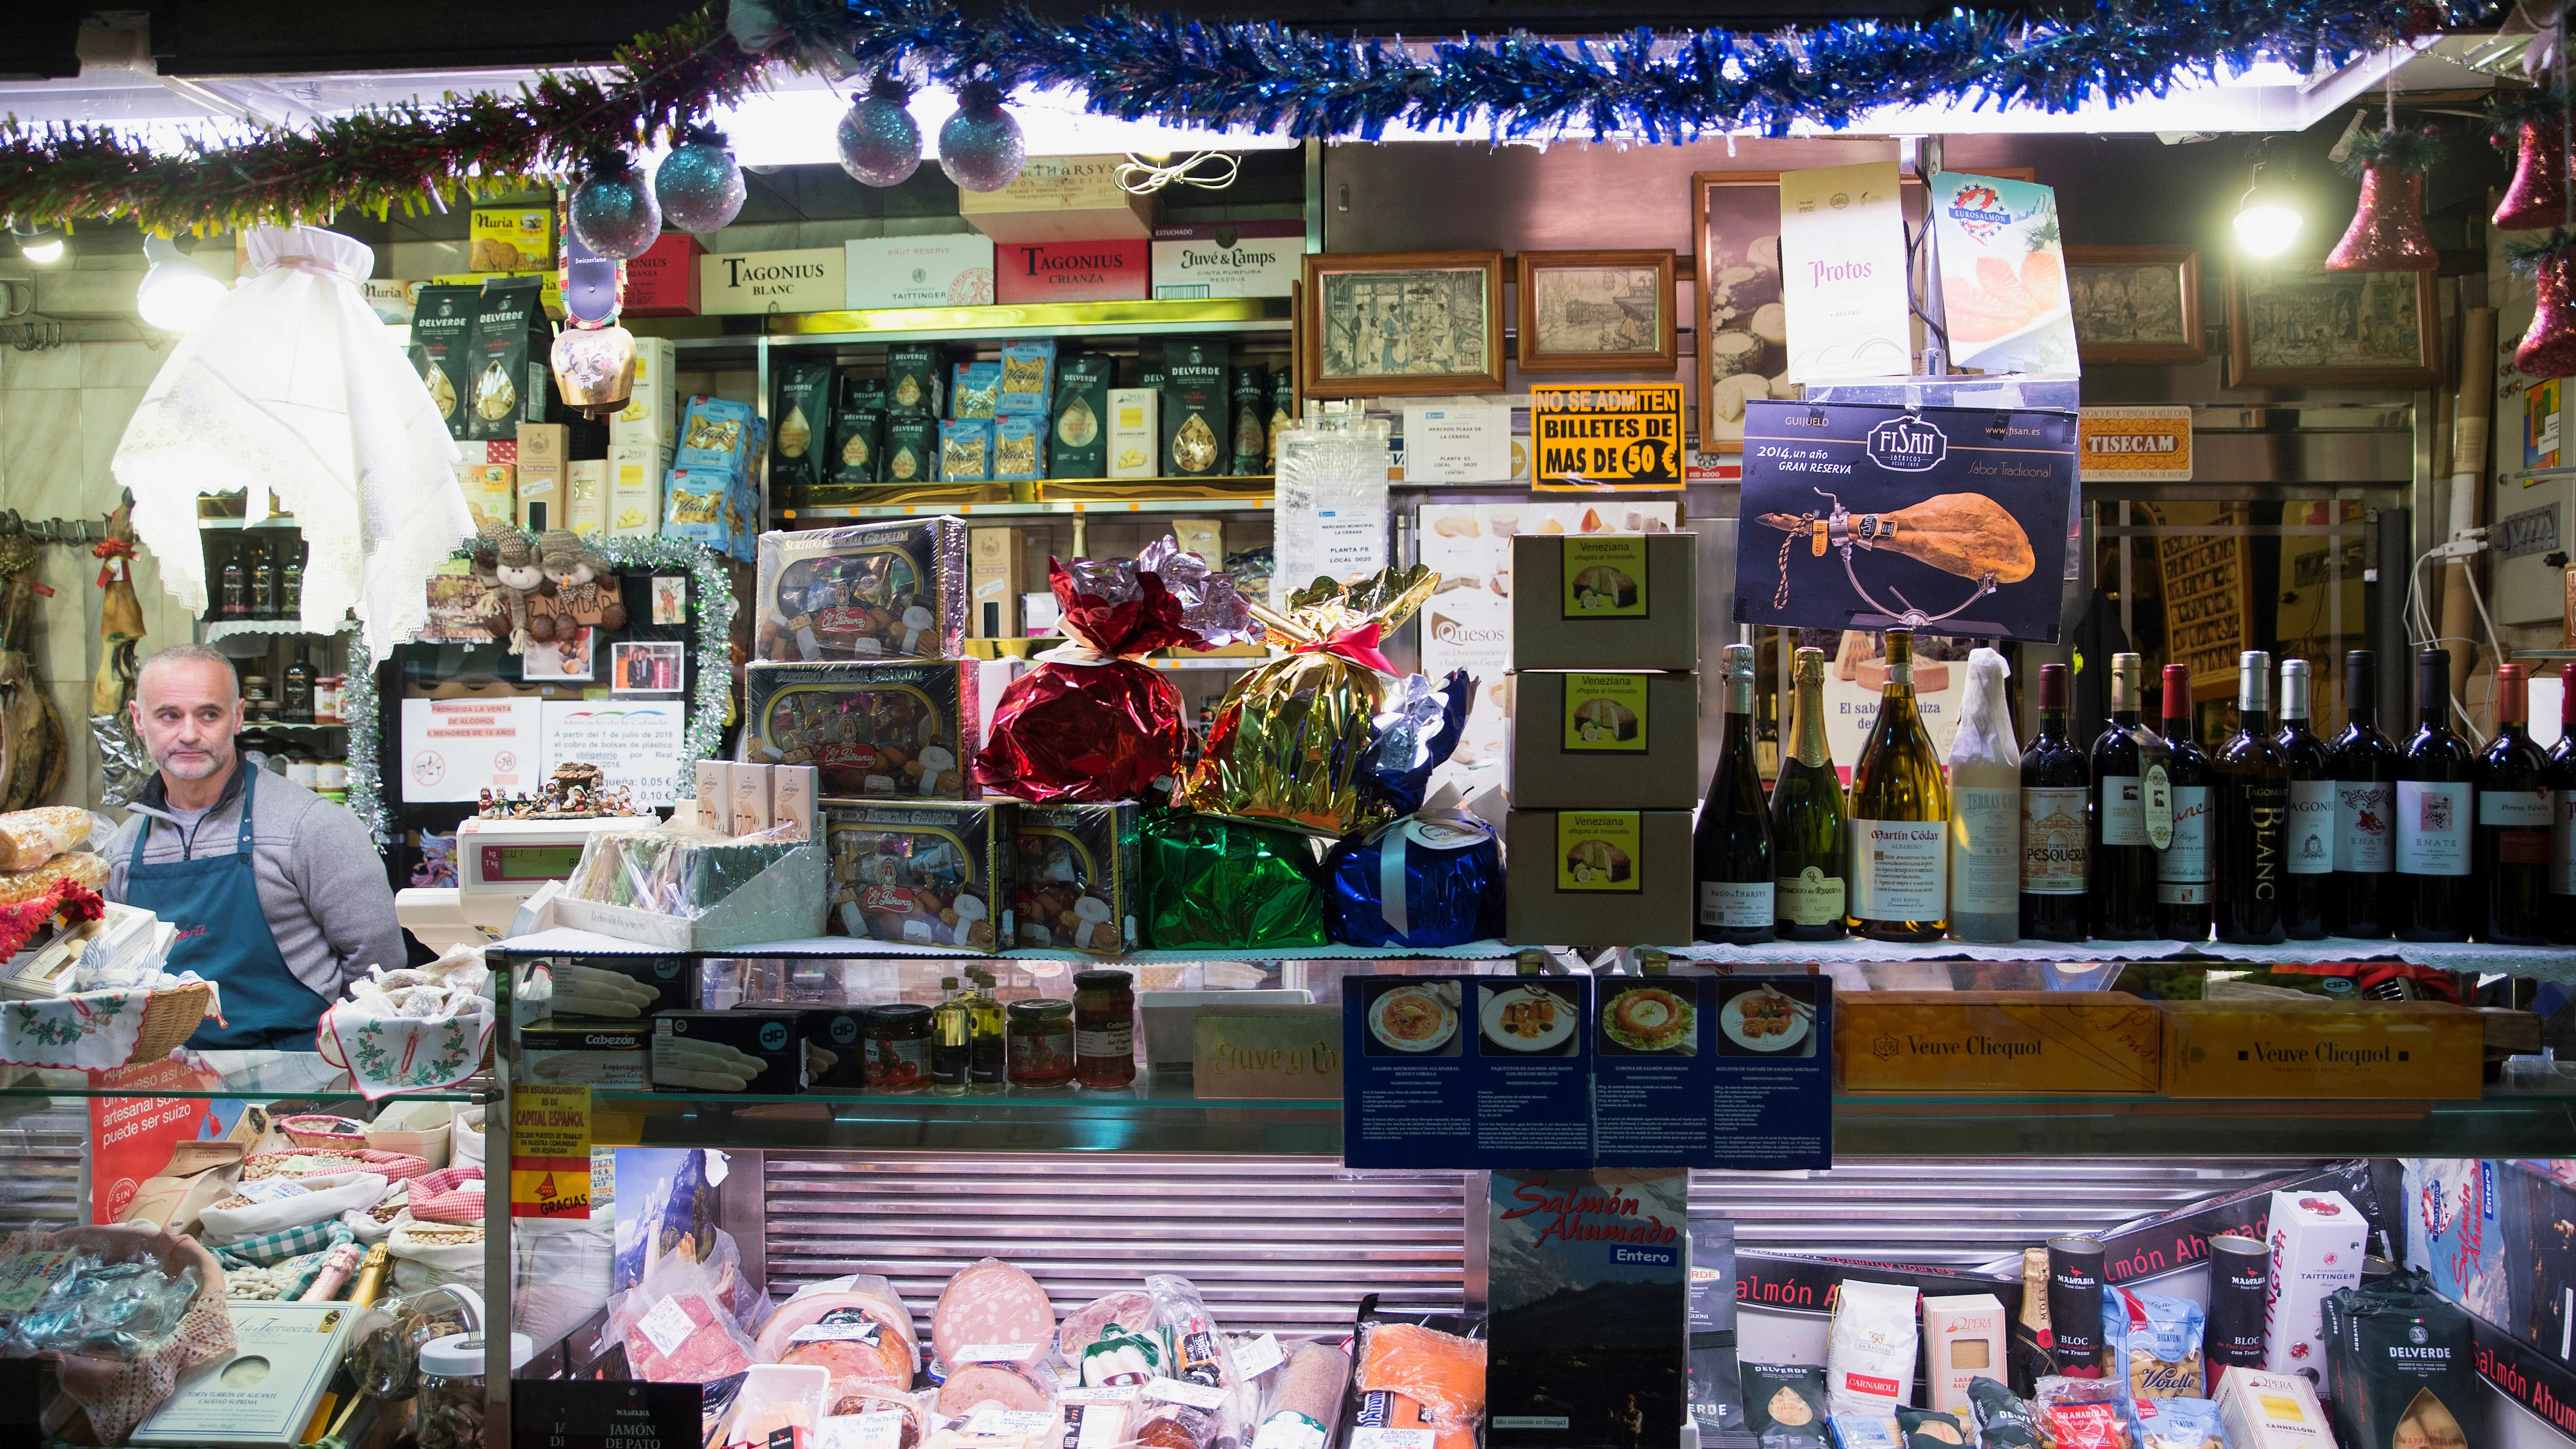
x=550, y=1152
x=2136, y=445
x=761, y=282
x=1624, y=437
x=605, y=1414
x=1587, y=1258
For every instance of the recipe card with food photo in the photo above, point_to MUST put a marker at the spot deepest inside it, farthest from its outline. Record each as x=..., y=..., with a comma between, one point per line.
x=1467, y=1072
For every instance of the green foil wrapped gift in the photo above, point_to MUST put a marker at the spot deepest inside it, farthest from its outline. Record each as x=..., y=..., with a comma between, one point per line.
x=1216, y=884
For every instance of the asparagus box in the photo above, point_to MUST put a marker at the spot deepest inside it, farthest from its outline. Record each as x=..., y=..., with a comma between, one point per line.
x=585, y=1054
x=1997, y=1041
x=2418, y=1050
x=1611, y=741
x=1605, y=601
x=757, y=1052
x=1600, y=877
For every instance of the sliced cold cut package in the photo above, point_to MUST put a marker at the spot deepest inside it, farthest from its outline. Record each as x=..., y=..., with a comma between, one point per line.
x=1010, y=1385
x=991, y=1311
x=1083, y=1326
x=854, y=1326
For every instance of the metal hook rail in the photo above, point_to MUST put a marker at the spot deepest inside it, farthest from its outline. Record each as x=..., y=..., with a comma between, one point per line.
x=79, y=531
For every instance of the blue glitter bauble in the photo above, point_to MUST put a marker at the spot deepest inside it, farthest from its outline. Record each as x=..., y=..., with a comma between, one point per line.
x=613, y=212
x=698, y=184
x=880, y=141
x=980, y=148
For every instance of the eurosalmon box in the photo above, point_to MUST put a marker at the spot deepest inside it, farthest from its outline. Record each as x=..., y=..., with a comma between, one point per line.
x=1605, y=601
x=1602, y=877
x=1603, y=740
x=2416, y=1050
x=1997, y=1041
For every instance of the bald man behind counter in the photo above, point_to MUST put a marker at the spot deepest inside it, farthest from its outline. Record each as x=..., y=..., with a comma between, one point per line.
x=278, y=894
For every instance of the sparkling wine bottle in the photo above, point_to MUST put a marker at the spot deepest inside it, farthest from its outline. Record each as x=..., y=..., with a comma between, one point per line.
x=2307, y=848
x=2055, y=778
x=2363, y=899
x=1900, y=817
x=2253, y=813
x=1808, y=895
x=1732, y=848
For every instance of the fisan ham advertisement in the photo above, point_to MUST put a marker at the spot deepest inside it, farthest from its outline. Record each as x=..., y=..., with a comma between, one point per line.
x=1589, y=1294
x=1947, y=520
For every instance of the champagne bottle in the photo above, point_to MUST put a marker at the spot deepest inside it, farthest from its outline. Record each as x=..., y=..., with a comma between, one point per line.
x=2433, y=813
x=1900, y=817
x=1731, y=851
x=2307, y=848
x=2185, y=896
x=1985, y=809
x=2119, y=838
x=1808, y=895
x=2055, y=777
x=2253, y=813
x=2561, y=912
x=2514, y=818
x=2363, y=900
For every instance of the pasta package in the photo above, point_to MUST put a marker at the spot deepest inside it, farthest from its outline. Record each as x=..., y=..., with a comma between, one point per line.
x=1785, y=1405
x=1028, y=377
x=2153, y=1342
x=29, y=838
x=966, y=450
x=921, y=875
x=2400, y=1365
x=896, y=727
x=874, y=591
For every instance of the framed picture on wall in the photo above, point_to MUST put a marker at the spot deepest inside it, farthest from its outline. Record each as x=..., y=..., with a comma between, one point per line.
x=2136, y=304
x=2295, y=324
x=1595, y=311
x=1395, y=323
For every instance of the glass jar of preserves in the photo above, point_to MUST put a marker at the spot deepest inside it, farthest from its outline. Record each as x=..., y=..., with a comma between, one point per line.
x=1104, y=1028
x=898, y=1055
x=1040, y=1042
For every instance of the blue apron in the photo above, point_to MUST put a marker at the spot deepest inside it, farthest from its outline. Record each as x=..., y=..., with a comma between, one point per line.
x=224, y=937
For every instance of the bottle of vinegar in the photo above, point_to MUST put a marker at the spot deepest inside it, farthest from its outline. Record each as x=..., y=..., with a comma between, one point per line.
x=1732, y=848
x=1809, y=896
x=1985, y=809
x=1900, y=817
x=2055, y=778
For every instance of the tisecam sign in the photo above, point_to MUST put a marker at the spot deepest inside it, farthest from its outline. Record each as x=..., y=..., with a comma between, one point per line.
x=1625, y=437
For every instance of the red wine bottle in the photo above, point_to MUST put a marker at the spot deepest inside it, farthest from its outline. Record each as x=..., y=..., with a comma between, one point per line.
x=2185, y=891
x=2055, y=778
x=2513, y=822
x=2363, y=900
x=2435, y=785
x=2307, y=848
x=2253, y=813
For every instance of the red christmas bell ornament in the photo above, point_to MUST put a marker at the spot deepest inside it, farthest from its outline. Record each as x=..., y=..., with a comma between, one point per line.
x=2549, y=348
x=2538, y=196
x=2387, y=231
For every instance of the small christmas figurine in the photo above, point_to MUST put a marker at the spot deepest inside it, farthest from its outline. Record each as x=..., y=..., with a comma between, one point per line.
x=585, y=584
x=516, y=571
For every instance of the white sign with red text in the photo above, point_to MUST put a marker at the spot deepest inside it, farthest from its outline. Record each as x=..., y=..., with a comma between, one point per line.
x=1842, y=273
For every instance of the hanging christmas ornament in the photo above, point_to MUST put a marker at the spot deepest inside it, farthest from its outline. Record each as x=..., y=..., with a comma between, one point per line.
x=2549, y=348
x=980, y=147
x=593, y=358
x=613, y=211
x=880, y=141
x=2387, y=231
x=2538, y=196
x=698, y=184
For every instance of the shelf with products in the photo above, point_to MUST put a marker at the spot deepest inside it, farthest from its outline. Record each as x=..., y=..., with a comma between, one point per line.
x=1215, y=502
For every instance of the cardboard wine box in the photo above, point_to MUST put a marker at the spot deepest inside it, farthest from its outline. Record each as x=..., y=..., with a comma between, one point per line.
x=950, y=270
x=995, y=583
x=1611, y=741
x=1059, y=198
x=1070, y=271
x=1997, y=1041
x=542, y=485
x=1598, y=877
x=663, y=282
x=2418, y=1050
x=1605, y=601
x=2318, y=1239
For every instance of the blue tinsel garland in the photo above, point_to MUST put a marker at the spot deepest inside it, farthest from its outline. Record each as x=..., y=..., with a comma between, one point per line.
x=1271, y=77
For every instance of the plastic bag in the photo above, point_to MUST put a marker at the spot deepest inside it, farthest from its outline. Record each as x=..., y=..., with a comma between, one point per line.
x=676, y=1328
x=679, y=868
x=559, y=1274
x=1985, y=809
x=1441, y=1375
x=855, y=1326
x=116, y=1394
x=1200, y=1353
x=29, y=838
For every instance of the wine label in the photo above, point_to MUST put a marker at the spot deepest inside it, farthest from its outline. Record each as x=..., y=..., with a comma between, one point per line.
x=2364, y=814
x=2562, y=844
x=2052, y=840
x=1605, y=713
x=1735, y=905
x=2515, y=809
x=1900, y=869
x=1810, y=898
x=2309, y=840
x=2432, y=827
x=2182, y=872
x=2124, y=815
x=2156, y=802
x=1605, y=577
x=1985, y=861
x=1598, y=850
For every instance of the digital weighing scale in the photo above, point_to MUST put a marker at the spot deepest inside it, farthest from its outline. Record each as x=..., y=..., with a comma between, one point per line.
x=499, y=864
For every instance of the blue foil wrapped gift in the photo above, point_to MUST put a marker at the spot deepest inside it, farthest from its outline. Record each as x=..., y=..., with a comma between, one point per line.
x=1433, y=877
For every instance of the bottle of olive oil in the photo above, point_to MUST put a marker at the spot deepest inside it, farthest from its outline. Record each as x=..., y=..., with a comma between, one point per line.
x=1900, y=817
x=952, y=1041
x=986, y=1010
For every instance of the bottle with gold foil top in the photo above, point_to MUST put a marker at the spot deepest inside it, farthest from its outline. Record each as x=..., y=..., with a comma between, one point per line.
x=1900, y=817
x=1808, y=886
x=2034, y=1296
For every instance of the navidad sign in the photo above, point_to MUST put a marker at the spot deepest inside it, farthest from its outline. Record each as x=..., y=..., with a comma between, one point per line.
x=1626, y=437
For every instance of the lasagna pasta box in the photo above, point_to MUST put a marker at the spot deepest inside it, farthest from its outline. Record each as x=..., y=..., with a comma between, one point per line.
x=895, y=728
x=1604, y=741
x=880, y=590
x=1963, y=1339
x=761, y=1053
x=1997, y=1041
x=1602, y=877
x=921, y=874
x=1605, y=601
x=2262, y=1410
x=1076, y=879
x=2317, y=1239
x=557, y=1054
x=2323, y=1048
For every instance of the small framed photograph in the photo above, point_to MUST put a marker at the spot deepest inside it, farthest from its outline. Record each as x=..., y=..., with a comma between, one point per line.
x=1403, y=323
x=650, y=667
x=2296, y=324
x=567, y=656
x=1596, y=311
x=2136, y=304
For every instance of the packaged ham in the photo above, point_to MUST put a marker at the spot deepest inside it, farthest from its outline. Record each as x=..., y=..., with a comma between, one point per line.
x=676, y=1329
x=775, y=1397
x=1012, y=1386
x=1175, y=1426
x=992, y=1312
x=855, y=1326
x=1443, y=1373
x=1083, y=1326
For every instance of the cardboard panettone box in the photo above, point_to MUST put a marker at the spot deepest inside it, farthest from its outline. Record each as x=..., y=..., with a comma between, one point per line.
x=1605, y=601
x=1603, y=740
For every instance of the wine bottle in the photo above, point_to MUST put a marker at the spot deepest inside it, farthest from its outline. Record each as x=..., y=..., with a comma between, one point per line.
x=291, y=582
x=266, y=586
x=1731, y=852
x=2307, y=842
x=236, y=585
x=1985, y=809
x=2562, y=815
x=2253, y=812
x=2514, y=819
x=296, y=703
x=1900, y=817
x=2433, y=812
x=2363, y=901
x=2119, y=835
x=1808, y=895
x=2054, y=781
x=2184, y=895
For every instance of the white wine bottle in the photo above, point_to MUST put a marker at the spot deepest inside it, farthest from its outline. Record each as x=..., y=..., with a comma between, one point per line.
x=1900, y=817
x=1985, y=809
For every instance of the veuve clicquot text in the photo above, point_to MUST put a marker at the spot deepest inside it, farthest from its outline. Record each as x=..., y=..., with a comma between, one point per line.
x=2185, y=891
x=2435, y=785
x=1808, y=894
x=2253, y=813
x=1732, y=849
x=2128, y=767
x=2054, y=780
x=2514, y=816
x=2307, y=842
x=2363, y=898
x=1900, y=817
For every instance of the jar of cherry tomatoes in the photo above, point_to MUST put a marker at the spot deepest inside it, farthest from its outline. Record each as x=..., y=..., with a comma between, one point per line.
x=1039, y=1042
x=898, y=1050
x=1104, y=1028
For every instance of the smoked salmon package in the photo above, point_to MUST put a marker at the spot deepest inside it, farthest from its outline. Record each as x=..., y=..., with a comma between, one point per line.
x=1420, y=1371
x=1093, y=721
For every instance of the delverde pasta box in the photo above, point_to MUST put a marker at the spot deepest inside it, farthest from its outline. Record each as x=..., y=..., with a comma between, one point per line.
x=2415, y=1050
x=1997, y=1041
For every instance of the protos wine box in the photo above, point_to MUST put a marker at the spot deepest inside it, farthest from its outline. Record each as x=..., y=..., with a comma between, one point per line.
x=1604, y=741
x=2410, y=1049
x=1602, y=877
x=1605, y=601
x=1997, y=1041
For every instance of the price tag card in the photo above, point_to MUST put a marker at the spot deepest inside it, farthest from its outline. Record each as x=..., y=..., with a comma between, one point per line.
x=601, y=1414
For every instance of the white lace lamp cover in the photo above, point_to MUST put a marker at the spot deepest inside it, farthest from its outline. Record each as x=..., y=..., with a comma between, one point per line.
x=293, y=389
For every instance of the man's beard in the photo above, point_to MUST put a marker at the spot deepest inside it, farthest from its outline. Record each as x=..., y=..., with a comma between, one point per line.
x=203, y=765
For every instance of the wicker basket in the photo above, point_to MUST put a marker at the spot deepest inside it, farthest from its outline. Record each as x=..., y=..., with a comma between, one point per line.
x=322, y=1130
x=170, y=1019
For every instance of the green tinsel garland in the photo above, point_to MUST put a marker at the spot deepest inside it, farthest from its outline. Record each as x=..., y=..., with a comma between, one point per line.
x=2400, y=149
x=714, y=603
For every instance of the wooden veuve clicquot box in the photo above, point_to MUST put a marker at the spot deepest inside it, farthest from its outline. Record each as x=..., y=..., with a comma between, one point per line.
x=2002, y=1042
x=2404, y=1049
